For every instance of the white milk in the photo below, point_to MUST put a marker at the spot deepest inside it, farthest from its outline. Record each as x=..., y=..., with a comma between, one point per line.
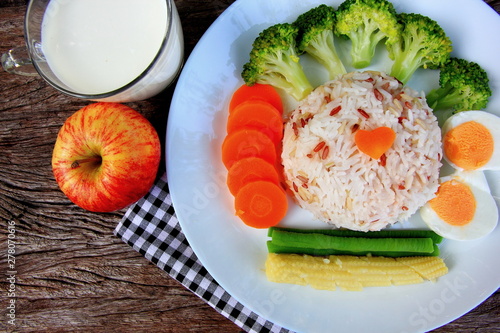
x=98, y=46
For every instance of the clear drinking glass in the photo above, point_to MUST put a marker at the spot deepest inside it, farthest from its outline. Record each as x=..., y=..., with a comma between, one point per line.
x=161, y=65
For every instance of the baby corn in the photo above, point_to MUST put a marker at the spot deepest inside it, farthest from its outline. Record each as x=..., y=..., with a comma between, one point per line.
x=351, y=272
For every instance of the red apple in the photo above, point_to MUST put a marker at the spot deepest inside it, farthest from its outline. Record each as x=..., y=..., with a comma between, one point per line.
x=106, y=157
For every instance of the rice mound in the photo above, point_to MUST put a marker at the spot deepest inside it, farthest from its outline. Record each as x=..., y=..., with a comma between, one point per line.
x=329, y=176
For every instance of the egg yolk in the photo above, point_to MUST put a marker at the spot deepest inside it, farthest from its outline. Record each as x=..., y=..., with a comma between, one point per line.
x=454, y=203
x=469, y=145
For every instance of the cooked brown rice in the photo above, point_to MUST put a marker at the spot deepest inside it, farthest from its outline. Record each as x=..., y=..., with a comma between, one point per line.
x=341, y=185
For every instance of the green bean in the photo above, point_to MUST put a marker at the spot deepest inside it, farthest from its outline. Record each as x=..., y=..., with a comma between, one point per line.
x=273, y=248
x=386, y=233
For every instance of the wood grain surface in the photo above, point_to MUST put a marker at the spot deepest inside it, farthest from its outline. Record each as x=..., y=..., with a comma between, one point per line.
x=73, y=274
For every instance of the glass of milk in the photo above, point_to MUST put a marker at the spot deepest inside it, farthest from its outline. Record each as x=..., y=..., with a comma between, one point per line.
x=101, y=50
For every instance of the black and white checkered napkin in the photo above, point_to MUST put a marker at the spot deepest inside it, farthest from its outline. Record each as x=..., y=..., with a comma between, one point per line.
x=151, y=228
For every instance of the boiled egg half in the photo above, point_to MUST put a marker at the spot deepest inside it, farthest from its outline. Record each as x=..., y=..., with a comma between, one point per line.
x=471, y=141
x=463, y=208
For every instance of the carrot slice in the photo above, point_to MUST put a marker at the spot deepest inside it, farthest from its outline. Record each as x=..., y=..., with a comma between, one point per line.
x=248, y=170
x=258, y=91
x=257, y=115
x=247, y=143
x=376, y=142
x=261, y=204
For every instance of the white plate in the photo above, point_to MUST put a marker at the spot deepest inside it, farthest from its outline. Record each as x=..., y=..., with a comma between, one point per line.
x=235, y=254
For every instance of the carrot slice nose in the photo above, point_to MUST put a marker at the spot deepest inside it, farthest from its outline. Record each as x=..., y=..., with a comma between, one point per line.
x=376, y=142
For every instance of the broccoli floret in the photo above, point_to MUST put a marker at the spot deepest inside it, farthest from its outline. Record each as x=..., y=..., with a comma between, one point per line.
x=366, y=23
x=274, y=60
x=316, y=38
x=422, y=43
x=464, y=86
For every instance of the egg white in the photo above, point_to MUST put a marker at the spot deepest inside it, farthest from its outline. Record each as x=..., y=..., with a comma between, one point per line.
x=485, y=217
x=488, y=120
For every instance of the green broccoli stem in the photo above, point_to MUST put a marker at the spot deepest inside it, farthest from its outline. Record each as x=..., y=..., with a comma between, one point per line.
x=364, y=42
x=444, y=98
x=324, y=51
x=403, y=70
x=405, y=65
x=436, y=97
x=294, y=80
x=302, y=87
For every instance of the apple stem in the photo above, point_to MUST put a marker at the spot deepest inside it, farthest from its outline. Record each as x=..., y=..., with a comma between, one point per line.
x=78, y=163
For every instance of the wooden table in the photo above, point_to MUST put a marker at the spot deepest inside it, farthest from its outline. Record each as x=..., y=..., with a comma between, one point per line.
x=72, y=272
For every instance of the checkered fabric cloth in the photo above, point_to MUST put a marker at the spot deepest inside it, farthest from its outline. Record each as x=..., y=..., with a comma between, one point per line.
x=151, y=228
